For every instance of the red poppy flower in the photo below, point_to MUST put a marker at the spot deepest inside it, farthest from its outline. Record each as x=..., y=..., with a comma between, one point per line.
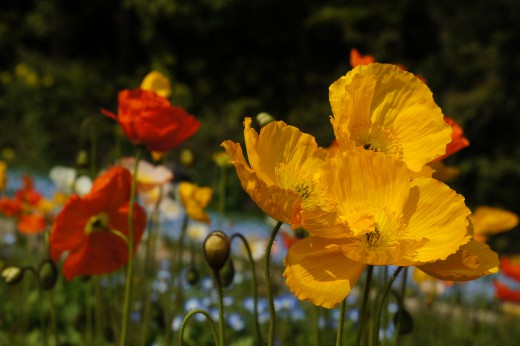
x=10, y=207
x=458, y=141
x=510, y=267
x=94, y=228
x=32, y=223
x=149, y=119
x=357, y=59
x=505, y=293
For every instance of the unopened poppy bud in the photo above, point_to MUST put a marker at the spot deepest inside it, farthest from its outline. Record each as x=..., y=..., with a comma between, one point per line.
x=216, y=249
x=192, y=276
x=47, y=274
x=82, y=159
x=12, y=275
x=227, y=274
x=264, y=118
x=404, y=321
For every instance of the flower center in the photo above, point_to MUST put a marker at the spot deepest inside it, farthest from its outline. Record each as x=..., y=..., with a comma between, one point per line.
x=379, y=139
x=97, y=223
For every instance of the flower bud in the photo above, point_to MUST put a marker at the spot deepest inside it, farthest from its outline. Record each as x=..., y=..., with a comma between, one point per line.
x=12, y=275
x=216, y=249
x=227, y=274
x=82, y=159
x=187, y=158
x=47, y=274
x=264, y=118
x=192, y=276
x=404, y=321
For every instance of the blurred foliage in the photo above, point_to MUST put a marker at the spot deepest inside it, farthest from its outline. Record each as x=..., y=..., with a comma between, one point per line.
x=61, y=61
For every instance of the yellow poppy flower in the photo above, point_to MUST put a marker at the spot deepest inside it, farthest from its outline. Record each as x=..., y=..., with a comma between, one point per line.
x=383, y=108
x=3, y=175
x=488, y=220
x=195, y=199
x=157, y=82
x=280, y=174
x=383, y=218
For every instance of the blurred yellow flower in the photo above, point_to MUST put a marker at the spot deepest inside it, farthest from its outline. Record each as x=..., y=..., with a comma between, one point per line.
x=442, y=172
x=280, y=174
x=383, y=108
x=488, y=221
x=157, y=82
x=382, y=218
x=195, y=199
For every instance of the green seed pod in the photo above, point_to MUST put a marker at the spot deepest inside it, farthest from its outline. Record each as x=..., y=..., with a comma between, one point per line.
x=192, y=276
x=406, y=323
x=216, y=249
x=227, y=274
x=47, y=274
x=12, y=275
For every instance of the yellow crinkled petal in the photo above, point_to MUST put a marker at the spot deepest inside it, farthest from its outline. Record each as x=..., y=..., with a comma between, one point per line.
x=281, y=149
x=390, y=110
x=157, y=82
x=473, y=260
x=436, y=213
x=280, y=204
x=318, y=272
x=389, y=254
x=364, y=185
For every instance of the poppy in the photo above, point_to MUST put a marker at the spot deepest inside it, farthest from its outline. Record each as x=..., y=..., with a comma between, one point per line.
x=458, y=141
x=93, y=229
x=510, y=267
x=505, y=293
x=195, y=199
x=280, y=174
x=357, y=59
x=382, y=218
x=382, y=108
x=489, y=220
x=150, y=120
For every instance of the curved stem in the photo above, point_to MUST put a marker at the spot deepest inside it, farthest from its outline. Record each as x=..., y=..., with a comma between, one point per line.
x=267, y=262
x=42, y=317
x=363, y=313
x=400, y=301
x=255, y=285
x=382, y=303
x=339, y=339
x=208, y=317
x=130, y=267
x=220, y=308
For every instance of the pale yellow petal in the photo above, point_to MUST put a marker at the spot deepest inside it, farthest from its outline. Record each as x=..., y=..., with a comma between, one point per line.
x=436, y=213
x=472, y=261
x=318, y=272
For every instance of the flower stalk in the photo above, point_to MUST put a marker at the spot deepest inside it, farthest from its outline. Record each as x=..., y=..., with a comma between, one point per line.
x=267, y=262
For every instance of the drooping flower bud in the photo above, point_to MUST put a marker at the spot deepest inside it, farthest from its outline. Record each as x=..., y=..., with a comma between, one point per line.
x=82, y=159
x=47, y=274
x=12, y=275
x=192, y=276
x=404, y=321
x=216, y=249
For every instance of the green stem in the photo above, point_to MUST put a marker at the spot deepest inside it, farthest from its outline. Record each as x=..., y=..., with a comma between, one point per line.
x=42, y=313
x=208, y=317
x=130, y=267
x=222, y=190
x=255, y=285
x=401, y=300
x=221, y=321
x=316, y=326
x=382, y=303
x=267, y=262
x=53, y=317
x=339, y=339
x=363, y=314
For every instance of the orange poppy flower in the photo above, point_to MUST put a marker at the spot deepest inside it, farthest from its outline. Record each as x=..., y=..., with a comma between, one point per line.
x=150, y=120
x=357, y=59
x=510, y=266
x=458, y=141
x=94, y=228
x=505, y=293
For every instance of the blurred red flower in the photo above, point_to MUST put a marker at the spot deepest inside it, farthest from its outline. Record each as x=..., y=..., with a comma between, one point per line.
x=357, y=59
x=94, y=228
x=510, y=267
x=149, y=119
x=505, y=293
